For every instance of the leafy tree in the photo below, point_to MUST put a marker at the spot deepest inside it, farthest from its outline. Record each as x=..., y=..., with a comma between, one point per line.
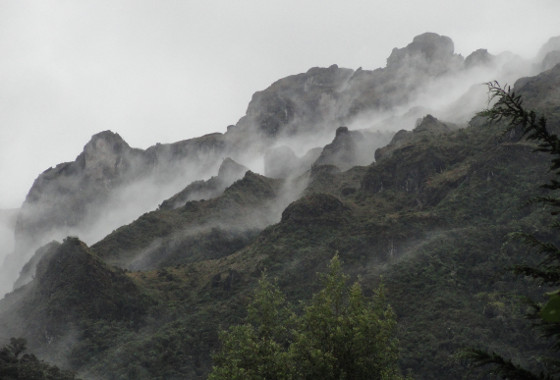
x=525, y=123
x=257, y=349
x=339, y=335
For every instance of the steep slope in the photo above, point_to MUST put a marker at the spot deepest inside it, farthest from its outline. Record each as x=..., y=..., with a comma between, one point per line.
x=430, y=215
x=73, y=290
x=89, y=197
x=108, y=184
x=66, y=196
x=204, y=229
x=434, y=230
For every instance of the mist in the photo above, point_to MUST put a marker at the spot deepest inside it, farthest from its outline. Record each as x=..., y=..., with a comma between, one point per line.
x=306, y=118
x=277, y=88
x=156, y=72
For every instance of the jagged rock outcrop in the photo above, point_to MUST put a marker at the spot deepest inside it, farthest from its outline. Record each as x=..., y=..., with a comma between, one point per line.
x=61, y=196
x=428, y=126
x=75, y=194
x=426, y=215
x=428, y=53
x=229, y=172
x=352, y=148
x=295, y=104
x=343, y=151
x=325, y=98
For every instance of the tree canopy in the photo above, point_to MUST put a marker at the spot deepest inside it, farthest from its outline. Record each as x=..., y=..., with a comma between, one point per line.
x=15, y=364
x=340, y=334
x=546, y=316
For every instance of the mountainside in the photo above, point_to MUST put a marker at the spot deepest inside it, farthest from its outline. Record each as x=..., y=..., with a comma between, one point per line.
x=427, y=208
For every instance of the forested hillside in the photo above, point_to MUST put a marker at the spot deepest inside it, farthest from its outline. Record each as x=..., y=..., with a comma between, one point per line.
x=425, y=210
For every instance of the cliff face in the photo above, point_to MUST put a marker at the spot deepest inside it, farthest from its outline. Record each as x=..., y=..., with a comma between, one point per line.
x=74, y=196
x=425, y=207
x=329, y=97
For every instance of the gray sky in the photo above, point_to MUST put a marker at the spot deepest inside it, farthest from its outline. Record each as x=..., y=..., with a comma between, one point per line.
x=167, y=70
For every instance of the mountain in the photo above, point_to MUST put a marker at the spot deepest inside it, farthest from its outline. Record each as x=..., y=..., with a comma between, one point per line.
x=301, y=112
x=427, y=208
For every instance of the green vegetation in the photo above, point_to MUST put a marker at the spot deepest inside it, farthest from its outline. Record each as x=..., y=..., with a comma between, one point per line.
x=547, y=271
x=430, y=217
x=339, y=335
x=15, y=364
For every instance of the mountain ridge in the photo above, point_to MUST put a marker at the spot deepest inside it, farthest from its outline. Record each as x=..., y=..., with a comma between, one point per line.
x=429, y=214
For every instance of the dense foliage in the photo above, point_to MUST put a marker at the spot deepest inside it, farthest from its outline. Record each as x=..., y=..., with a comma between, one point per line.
x=17, y=365
x=430, y=216
x=339, y=335
x=526, y=123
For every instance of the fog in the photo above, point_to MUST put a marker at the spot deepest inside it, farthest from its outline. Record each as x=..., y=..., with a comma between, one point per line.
x=163, y=72
x=157, y=72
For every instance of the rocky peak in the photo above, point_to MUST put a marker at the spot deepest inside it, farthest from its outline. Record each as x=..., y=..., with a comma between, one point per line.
x=103, y=155
x=342, y=151
x=229, y=168
x=428, y=52
x=71, y=284
x=430, y=124
x=341, y=131
x=252, y=187
x=479, y=57
x=289, y=104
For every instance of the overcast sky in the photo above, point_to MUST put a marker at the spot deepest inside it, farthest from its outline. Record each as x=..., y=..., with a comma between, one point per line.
x=167, y=70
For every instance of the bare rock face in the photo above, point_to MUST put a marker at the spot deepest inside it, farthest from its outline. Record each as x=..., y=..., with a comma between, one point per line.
x=352, y=148
x=73, y=196
x=60, y=196
x=323, y=98
x=342, y=152
x=104, y=157
x=429, y=51
x=70, y=196
x=295, y=102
